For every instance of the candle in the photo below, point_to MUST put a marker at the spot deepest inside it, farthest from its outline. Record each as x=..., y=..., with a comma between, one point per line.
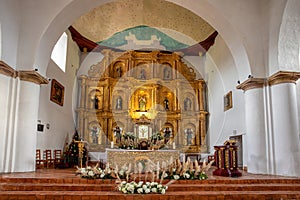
x=111, y=145
x=174, y=146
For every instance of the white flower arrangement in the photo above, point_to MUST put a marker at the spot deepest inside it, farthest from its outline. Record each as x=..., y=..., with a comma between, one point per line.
x=173, y=171
x=142, y=188
x=187, y=170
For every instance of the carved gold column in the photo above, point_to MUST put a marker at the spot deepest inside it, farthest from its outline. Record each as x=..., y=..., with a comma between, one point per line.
x=201, y=95
x=82, y=79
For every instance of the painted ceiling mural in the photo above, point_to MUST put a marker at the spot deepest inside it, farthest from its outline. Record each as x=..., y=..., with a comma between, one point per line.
x=102, y=22
x=143, y=24
x=142, y=37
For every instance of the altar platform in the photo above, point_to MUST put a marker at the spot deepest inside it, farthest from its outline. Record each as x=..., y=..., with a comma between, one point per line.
x=62, y=184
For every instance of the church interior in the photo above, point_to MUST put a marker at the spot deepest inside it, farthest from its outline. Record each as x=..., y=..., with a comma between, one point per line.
x=99, y=81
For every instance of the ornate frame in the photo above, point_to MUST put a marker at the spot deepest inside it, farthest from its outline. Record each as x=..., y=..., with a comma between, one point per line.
x=228, y=101
x=57, y=92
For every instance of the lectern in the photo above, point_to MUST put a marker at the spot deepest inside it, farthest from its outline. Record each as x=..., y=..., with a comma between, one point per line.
x=226, y=159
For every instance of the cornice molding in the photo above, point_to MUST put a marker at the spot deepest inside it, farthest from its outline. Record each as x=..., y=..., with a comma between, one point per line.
x=6, y=70
x=32, y=76
x=252, y=83
x=283, y=77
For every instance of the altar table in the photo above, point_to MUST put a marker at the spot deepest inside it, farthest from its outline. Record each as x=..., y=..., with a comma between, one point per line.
x=120, y=156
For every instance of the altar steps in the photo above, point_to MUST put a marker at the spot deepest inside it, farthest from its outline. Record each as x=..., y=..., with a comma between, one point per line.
x=69, y=186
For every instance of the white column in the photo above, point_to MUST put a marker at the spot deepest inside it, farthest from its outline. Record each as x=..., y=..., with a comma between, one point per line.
x=286, y=129
x=256, y=134
x=26, y=127
x=20, y=119
x=6, y=125
x=7, y=102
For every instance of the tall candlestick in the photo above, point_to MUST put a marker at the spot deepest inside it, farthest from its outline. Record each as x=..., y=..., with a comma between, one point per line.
x=111, y=145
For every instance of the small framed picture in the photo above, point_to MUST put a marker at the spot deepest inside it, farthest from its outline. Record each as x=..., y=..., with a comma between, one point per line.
x=40, y=127
x=228, y=101
x=57, y=92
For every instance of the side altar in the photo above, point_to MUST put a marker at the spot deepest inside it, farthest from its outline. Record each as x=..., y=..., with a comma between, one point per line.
x=120, y=156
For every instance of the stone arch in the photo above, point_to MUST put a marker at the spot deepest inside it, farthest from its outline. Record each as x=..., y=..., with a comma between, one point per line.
x=206, y=10
x=289, y=38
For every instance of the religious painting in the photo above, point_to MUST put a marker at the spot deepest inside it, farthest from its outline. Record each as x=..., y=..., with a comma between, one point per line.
x=228, y=101
x=143, y=131
x=57, y=92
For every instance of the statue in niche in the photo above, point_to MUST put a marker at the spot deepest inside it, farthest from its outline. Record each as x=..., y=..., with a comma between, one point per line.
x=167, y=73
x=143, y=74
x=142, y=103
x=166, y=104
x=187, y=104
x=96, y=102
x=167, y=135
x=119, y=103
x=118, y=135
x=119, y=72
x=95, y=134
x=189, y=136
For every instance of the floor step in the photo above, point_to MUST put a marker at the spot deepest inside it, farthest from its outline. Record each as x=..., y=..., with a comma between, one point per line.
x=172, y=187
x=186, y=195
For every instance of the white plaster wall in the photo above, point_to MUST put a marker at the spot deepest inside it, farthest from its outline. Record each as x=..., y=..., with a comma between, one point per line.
x=246, y=17
x=273, y=11
x=60, y=118
x=10, y=27
x=222, y=76
x=289, y=38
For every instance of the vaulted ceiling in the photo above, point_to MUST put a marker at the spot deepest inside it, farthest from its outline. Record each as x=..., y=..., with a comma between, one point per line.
x=179, y=23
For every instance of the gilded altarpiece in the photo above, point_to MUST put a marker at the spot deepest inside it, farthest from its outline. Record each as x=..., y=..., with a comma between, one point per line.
x=143, y=92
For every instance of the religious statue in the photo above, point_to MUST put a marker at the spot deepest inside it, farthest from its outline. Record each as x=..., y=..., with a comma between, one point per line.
x=187, y=104
x=166, y=104
x=95, y=134
x=167, y=73
x=167, y=135
x=119, y=71
x=142, y=103
x=118, y=134
x=119, y=103
x=96, y=102
x=189, y=136
x=143, y=74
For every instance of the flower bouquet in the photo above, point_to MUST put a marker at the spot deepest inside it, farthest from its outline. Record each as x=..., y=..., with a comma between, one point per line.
x=141, y=187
